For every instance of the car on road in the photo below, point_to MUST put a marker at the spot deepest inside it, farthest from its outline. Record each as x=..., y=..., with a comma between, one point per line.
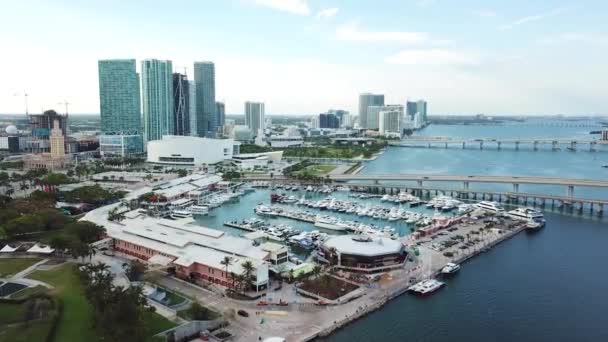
x=243, y=313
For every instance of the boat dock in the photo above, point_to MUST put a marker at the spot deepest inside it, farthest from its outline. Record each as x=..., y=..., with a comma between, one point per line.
x=243, y=226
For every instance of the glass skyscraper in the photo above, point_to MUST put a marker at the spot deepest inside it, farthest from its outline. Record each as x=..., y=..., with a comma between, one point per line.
x=220, y=111
x=157, y=98
x=119, y=104
x=181, y=104
x=206, y=118
x=254, y=116
x=119, y=97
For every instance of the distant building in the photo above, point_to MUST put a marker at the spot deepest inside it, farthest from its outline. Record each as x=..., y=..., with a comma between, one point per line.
x=285, y=141
x=241, y=133
x=391, y=122
x=365, y=101
x=56, y=159
x=189, y=151
x=254, y=116
x=250, y=161
x=605, y=135
x=220, y=110
x=119, y=102
x=314, y=122
x=373, y=114
x=192, y=107
x=206, y=119
x=416, y=107
x=41, y=126
x=362, y=253
x=181, y=104
x=157, y=98
x=328, y=120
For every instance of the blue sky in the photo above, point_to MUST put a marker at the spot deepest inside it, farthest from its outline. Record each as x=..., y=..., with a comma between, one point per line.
x=306, y=56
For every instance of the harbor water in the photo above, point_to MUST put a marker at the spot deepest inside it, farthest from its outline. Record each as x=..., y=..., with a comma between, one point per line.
x=545, y=286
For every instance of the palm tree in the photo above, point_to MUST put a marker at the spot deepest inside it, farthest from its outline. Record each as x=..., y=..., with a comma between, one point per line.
x=316, y=271
x=227, y=261
x=248, y=269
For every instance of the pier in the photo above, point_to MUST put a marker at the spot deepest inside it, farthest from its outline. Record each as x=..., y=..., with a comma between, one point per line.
x=591, y=145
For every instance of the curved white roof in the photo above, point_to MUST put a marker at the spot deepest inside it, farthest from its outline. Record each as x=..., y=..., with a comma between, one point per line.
x=345, y=244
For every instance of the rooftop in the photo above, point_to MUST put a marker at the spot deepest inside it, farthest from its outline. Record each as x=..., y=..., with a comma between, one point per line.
x=351, y=244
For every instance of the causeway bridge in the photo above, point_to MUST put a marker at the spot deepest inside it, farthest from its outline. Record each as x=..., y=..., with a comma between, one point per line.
x=427, y=183
x=556, y=144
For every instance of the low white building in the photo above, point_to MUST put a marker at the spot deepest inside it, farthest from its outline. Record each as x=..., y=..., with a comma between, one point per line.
x=189, y=151
x=286, y=141
x=249, y=161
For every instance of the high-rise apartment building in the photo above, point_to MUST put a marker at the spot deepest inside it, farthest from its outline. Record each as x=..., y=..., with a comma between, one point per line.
x=421, y=105
x=416, y=107
x=373, y=114
x=329, y=120
x=254, y=116
x=119, y=102
x=206, y=119
x=220, y=110
x=367, y=100
x=181, y=104
x=157, y=98
x=391, y=122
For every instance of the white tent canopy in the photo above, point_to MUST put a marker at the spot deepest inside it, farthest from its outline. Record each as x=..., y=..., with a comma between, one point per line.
x=41, y=250
x=8, y=249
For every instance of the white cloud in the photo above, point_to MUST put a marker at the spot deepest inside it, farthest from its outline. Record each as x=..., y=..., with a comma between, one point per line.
x=425, y=3
x=484, y=13
x=327, y=13
x=440, y=57
x=299, y=7
x=533, y=18
x=351, y=32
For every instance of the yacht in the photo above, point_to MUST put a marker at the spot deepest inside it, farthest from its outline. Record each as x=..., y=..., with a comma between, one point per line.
x=330, y=223
x=528, y=214
x=263, y=210
x=198, y=210
x=450, y=268
x=426, y=287
x=490, y=206
x=180, y=214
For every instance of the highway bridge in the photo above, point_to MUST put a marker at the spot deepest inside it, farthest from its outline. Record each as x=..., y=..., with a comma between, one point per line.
x=433, y=183
x=556, y=144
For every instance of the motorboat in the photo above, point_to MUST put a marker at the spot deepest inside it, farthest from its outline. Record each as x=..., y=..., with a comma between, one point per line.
x=426, y=287
x=198, y=210
x=450, y=268
x=180, y=214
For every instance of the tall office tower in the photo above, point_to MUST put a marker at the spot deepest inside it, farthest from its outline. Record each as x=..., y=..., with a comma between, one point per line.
x=192, y=107
x=220, y=110
x=181, y=104
x=329, y=120
x=421, y=105
x=119, y=106
x=41, y=126
x=346, y=121
x=365, y=101
x=204, y=78
x=254, y=116
x=411, y=109
x=157, y=98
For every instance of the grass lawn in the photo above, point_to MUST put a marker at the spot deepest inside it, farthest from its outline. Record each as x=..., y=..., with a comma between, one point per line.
x=76, y=321
x=157, y=323
x=173, y=298
x=10, y=313
x=10, y=266
x=318, y=170
x=35, y=331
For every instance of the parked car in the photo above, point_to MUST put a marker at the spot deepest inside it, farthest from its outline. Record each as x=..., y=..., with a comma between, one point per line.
x=243, y=313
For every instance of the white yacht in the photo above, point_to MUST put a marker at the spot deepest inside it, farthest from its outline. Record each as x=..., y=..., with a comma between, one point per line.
x=450, y=268
x=180, y=214
x=490, y=206
x=426, y=287
x=330, y=223
x=527, y=214
x=198, y=210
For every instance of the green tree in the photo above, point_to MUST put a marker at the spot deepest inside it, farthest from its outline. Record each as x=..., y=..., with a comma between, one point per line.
x=135, y=270
x=248, y=269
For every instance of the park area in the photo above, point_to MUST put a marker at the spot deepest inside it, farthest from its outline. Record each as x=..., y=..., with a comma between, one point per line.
x=317, y=169
x=12, y=266
x=59, y=314
x=327, y=286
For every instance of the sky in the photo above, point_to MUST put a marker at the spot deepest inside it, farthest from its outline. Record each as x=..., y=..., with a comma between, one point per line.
x=521, y=57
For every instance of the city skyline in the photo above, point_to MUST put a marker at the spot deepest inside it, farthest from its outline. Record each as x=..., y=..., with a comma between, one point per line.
x=468, y=58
